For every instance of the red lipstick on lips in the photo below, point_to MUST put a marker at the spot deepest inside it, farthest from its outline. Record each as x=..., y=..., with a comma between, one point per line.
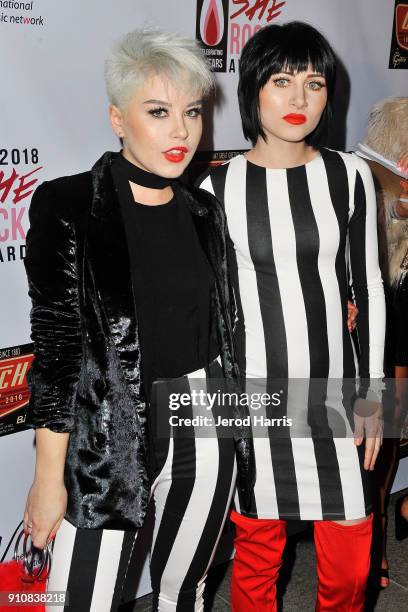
x=174, y=157
x=295, y=119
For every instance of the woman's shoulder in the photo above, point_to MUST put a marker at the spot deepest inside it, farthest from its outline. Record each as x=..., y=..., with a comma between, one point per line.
x=61, y=197
x=65, y=185
x=350, y=159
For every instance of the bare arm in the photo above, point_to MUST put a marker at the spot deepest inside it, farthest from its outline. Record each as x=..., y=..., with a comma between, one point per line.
x=51, y=449
x=47, y=498
x=402, y=206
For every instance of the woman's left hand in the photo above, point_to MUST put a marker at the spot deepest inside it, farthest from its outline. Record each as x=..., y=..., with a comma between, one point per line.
x=368, y=425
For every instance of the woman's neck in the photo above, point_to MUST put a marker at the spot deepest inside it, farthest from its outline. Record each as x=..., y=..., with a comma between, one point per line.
x=150, y=197
x=144, y=194
x=277, y=153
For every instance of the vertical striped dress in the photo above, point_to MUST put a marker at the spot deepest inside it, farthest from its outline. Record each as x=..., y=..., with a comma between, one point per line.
x=298, y=238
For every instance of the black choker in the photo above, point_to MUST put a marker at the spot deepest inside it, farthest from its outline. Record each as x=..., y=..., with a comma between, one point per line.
x=141, y=177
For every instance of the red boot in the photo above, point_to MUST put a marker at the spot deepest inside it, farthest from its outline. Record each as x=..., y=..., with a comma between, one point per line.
x=343, y=562
x=259, y=545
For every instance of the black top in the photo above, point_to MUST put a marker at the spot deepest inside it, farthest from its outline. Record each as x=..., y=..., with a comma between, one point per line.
x=172, y=282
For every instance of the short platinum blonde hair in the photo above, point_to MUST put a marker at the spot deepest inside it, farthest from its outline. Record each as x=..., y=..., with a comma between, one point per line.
x=387, y=128
x=143, y=53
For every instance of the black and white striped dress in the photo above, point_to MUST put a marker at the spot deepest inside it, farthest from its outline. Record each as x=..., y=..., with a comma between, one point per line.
x=298, y=237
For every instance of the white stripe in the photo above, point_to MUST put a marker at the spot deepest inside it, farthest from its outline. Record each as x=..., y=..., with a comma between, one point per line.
x=192, y=525
x=61, y=560
x=264, y=490
x=160, y=495
x=106, y=572
x=235, y=208
x=207, y=185
x=284, y=251
x=350, y=475
x=297, y=337
x=307, y=479
x=329, y=238
x=376, y=303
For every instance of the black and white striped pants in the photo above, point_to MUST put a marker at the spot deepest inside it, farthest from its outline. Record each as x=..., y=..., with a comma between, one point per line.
x=191, y=492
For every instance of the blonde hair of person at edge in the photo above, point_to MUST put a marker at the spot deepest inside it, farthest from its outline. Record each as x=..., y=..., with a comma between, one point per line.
x=127, y=273
x=386, y=148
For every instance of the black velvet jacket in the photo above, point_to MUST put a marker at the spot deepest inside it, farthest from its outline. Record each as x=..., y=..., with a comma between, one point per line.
x=86, y=375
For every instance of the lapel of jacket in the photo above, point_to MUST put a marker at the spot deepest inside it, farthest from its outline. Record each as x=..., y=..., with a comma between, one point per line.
x=210, y=224
x=109, y=260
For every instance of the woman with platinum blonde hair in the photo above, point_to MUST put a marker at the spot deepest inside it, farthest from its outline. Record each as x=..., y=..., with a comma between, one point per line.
x=131, y=306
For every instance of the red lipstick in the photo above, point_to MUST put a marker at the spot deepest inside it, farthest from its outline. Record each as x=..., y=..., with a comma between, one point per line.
x=295, y=119
x=175, y=154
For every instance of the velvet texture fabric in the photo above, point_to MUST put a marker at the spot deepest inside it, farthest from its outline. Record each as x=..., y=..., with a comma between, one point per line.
x=86, y=375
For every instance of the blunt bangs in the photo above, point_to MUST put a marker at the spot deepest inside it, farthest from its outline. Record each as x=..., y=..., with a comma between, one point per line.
x=291, y=47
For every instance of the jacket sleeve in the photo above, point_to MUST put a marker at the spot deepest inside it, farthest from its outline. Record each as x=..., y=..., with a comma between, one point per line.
x=366, y=275
x=55, y=321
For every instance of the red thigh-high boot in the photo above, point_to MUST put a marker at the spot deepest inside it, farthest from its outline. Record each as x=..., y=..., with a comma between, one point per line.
x=343, y=562
x=259, y=545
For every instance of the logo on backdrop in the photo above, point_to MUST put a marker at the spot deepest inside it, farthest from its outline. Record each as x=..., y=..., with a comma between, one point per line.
x=212, y=31
x=21, y=13
x=204, y=160
x=19, y=174
x=224, y=26
x=15, y=362
x=399, y=40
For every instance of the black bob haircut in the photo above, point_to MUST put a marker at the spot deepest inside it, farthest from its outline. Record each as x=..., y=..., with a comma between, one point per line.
x=289, y=47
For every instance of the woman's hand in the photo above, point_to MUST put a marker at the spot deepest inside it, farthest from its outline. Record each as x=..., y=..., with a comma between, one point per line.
x=368, y=425
x=403, y=162
x=45, y=509
x=352, y=312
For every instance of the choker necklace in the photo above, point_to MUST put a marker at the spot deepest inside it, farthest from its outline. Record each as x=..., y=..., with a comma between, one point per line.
x=142, y=177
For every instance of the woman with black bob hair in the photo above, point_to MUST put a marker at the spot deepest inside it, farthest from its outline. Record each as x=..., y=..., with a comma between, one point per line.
x=302, y=222
x=288, y=48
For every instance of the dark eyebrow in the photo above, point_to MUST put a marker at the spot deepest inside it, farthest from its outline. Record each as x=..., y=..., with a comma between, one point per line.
x=200, y=101
x=291, y=73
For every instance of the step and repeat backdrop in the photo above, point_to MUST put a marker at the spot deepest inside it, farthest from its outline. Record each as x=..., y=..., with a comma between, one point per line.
x=54, y=121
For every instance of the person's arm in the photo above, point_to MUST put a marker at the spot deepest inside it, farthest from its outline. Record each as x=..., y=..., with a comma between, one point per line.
x=56, y=333
x=401, y=208
x=51, y=268
x=369, y=297
x=47, y=498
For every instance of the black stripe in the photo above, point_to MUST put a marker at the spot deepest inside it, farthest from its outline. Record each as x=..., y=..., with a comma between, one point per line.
x=357, y=234
x=328, y=470
x=218, y=177
x=261, y=251
x=215, y=516
x=82, y=571
x=181, y=488
x=370, y=486
x=127, y=546
x=339, y=193
x=307, y=254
